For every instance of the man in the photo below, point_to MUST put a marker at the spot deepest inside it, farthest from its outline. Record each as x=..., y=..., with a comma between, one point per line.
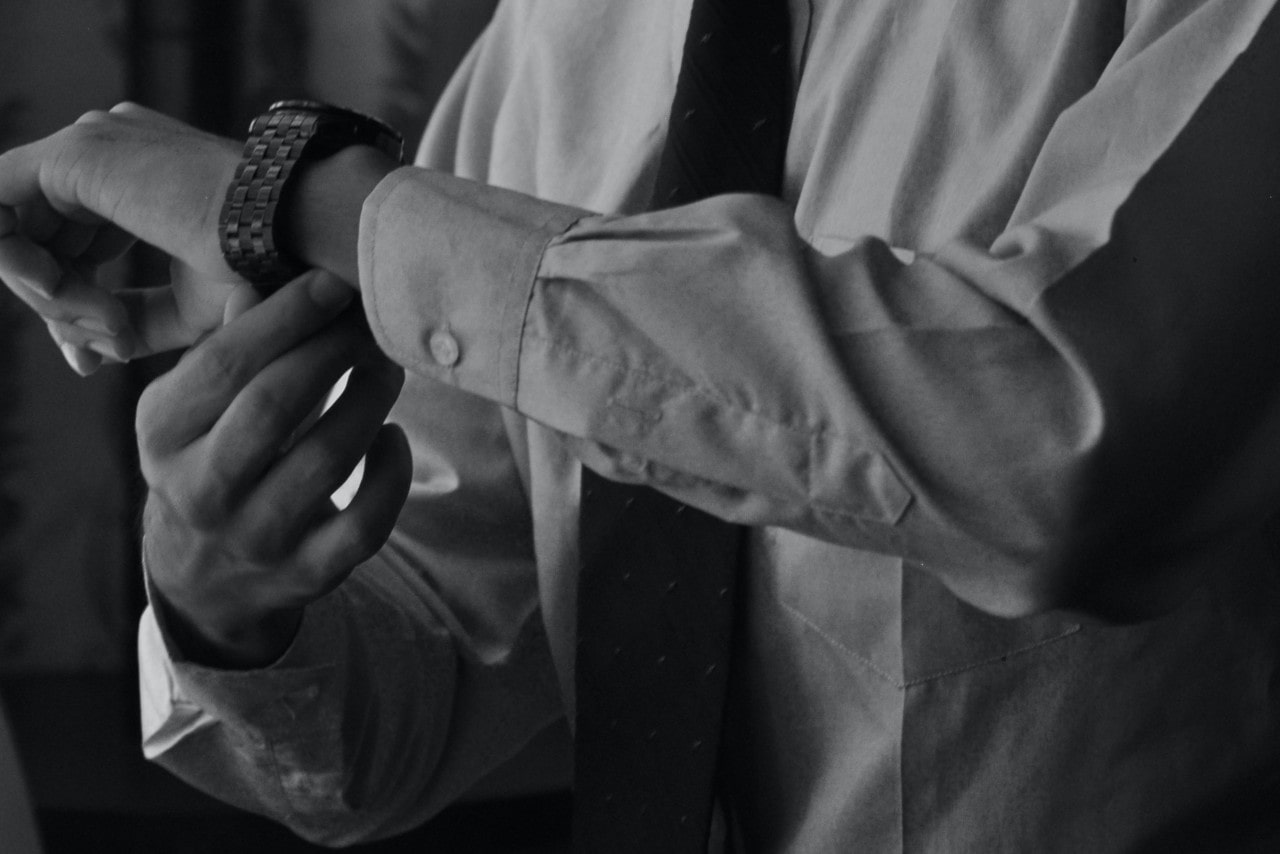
x=992, y=383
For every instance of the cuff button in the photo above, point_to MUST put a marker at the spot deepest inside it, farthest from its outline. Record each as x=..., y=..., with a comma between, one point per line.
x=444, y=348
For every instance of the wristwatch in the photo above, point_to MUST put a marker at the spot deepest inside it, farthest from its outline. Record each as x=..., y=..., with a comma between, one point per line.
x=287, y=134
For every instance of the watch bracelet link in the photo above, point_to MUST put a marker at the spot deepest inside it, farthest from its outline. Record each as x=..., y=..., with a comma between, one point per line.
x=248, y=215
x=277, y=143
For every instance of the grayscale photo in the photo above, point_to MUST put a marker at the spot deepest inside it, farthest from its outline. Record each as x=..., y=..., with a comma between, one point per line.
x=618, y=427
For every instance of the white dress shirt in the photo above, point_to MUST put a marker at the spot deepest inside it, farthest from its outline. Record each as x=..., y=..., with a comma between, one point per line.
x=999, y=362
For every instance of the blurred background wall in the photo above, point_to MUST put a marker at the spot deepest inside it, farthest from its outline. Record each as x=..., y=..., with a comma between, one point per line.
x=70, y=588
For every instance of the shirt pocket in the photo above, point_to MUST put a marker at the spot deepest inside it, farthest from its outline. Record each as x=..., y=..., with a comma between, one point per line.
x=843, y=599
x=898, y=623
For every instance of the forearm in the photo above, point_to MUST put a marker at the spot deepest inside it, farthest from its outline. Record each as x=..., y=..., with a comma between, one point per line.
x=235, y=639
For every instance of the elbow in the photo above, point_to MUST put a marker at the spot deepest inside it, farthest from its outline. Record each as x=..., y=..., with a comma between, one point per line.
x=1103, y=562
x=1092, y=590
x=1075, y=549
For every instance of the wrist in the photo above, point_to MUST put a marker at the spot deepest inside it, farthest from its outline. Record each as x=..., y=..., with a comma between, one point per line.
x=263, y=241
x=221, y=634
x=240, y=646
x=319, y=221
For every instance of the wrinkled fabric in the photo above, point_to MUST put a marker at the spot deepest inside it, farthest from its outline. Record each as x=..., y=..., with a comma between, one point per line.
x=998, y=364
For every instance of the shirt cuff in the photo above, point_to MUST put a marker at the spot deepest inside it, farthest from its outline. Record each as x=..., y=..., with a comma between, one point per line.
x=180, y=697
x=446, y=271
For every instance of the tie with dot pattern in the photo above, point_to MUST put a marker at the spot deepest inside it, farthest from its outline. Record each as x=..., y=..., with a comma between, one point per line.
x=656, y=592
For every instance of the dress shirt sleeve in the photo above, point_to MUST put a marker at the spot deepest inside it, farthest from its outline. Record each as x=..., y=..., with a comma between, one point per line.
x=422, y=672
x=1075, y=415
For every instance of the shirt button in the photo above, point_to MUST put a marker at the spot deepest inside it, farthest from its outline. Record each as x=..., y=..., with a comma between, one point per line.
x=444, y=348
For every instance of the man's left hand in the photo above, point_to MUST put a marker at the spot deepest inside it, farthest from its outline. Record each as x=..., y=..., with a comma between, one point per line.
x=81, y=197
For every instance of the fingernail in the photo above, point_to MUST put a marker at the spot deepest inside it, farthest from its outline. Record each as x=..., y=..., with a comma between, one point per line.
x=93, y=324
x=329, y=291
x=79, y=361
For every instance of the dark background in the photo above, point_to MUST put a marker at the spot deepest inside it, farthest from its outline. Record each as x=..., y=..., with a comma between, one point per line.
x=70, y=586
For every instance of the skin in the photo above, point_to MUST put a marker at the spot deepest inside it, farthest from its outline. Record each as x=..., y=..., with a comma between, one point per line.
x=240, y=533
x=240, y=537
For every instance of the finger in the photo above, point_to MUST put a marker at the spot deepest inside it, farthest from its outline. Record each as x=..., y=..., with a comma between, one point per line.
x=83, y=236
x=159, y=323
x=137, y=111
x=81, y=360
x=345, y=539
x=80, y=301
x=179, y=314
x=308, y=474
x=201, y=297
x=230, y=358
x=110, y=348
x=186, y=402
x=247, y=439
x=29, y=265
x=20, y=175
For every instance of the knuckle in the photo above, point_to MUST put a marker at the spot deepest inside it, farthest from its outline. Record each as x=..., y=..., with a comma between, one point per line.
x=201, y=508
x=93, y=117
x=321, y=468
x=271, y=534
x=223, y=366
x=264, y=543
x=206, y=501
x=184, y=507
x=57, y=332
x=362, y=541
x=271, y=415
x=324, y=576
x=159, y=518
x=388, y=378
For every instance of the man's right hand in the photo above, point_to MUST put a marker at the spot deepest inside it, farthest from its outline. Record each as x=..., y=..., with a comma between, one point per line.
x=240, y=532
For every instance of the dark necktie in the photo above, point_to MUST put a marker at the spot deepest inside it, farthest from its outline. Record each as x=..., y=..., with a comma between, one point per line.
x=656, y=593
